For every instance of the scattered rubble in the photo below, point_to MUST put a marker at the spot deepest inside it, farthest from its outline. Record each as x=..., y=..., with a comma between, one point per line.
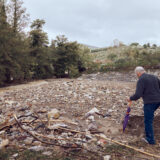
x=68, y=113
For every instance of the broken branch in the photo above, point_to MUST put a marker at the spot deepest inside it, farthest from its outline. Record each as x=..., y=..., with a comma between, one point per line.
x=127, y=146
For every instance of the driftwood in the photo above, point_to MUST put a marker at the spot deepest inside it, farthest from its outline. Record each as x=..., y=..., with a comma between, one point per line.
x=37, y=120
x=38, y=139
x=6, y=124
x=72, y=146
x=71, y=130
x=51, y=138
x=66, y=129
x=58, y=121
x=127, y=146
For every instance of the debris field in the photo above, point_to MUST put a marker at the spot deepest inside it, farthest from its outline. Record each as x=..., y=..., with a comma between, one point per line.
x=73, y=114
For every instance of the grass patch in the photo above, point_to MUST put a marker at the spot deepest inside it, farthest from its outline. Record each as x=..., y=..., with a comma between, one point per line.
x=111, y=149
x=7, y=154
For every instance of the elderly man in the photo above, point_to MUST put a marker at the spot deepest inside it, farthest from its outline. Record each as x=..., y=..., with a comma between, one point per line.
x=148, y=87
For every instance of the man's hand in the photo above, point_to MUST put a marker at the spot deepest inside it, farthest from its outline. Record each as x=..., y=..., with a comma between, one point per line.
x=129, y=102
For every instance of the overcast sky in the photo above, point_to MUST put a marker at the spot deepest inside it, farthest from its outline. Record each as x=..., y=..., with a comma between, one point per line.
x=99, y=22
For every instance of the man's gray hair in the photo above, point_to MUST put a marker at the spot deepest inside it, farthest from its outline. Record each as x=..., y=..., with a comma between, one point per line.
x=139, y=69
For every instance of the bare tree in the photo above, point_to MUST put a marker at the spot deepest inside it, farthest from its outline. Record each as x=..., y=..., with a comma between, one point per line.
x=17, y=16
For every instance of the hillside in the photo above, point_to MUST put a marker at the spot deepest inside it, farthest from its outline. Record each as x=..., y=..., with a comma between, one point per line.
x=127, y=56
x=90, y=47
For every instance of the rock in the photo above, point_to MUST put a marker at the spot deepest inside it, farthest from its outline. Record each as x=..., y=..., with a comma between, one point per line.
x=47, y=153
x=102, y=136
x=92, y=126
x=37, y=148
x=2, y=133
x=3, y=143
x=91, y=112
x=15, y=155
x=98, y=99
x=85, y=145
x=70, y=134
x=56, y=126
x=10, y=102
x=73, y=99
x=94, y=140
x=54, y=113
x=51, y=136
x=107, y=157
x=102, y=142
x=28, y=140
x=91, y=118
x=89, y=136
x=36, y=143
x=65, y=135
x=110, y=110
x=34, y=101
x=63, y=143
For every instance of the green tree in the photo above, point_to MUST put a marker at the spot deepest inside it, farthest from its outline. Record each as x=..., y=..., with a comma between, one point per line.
x=7, y=64
x=38, y=38
x=70, y=57
x=112, y=56
x=13, y=50
x=3, y=39
x=134, y=44
x=154, y=46
x=18, y=19
x=41, y=65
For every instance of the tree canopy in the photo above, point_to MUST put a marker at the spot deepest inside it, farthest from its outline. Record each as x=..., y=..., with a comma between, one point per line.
x=31, y=56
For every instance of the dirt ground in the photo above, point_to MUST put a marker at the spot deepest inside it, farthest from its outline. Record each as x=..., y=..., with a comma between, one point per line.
x=76, y=97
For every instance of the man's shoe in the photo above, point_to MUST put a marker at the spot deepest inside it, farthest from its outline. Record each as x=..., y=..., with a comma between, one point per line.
x=145, y=140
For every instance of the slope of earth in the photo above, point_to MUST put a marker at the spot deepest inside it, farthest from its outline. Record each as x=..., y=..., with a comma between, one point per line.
x=75, y=132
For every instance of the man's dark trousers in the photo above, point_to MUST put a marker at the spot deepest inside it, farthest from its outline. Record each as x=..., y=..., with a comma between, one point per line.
x=149, y=110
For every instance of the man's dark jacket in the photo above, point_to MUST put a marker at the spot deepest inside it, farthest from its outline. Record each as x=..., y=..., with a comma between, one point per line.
x=148, y=87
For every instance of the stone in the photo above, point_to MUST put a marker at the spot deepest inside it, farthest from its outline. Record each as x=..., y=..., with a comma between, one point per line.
x=107, y=157
x=64, y=135
x=15, y=155
x=73, y=99
x=10, y=102
x=92, y=111
x=94, y=140
x=37, y=148
x=36, y=143
x=91, y=118
x=70, y=134
x=102, y=136
x=92, y=126
x=102, y=142
x=47, y=153
x=56, y=126
x=28, y=141
x=4, y=143
x=54, y=113
x=63, y=143
x=89, y=136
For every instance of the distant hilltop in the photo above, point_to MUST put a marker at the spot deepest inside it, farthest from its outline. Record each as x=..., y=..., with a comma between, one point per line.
x=90, y=47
